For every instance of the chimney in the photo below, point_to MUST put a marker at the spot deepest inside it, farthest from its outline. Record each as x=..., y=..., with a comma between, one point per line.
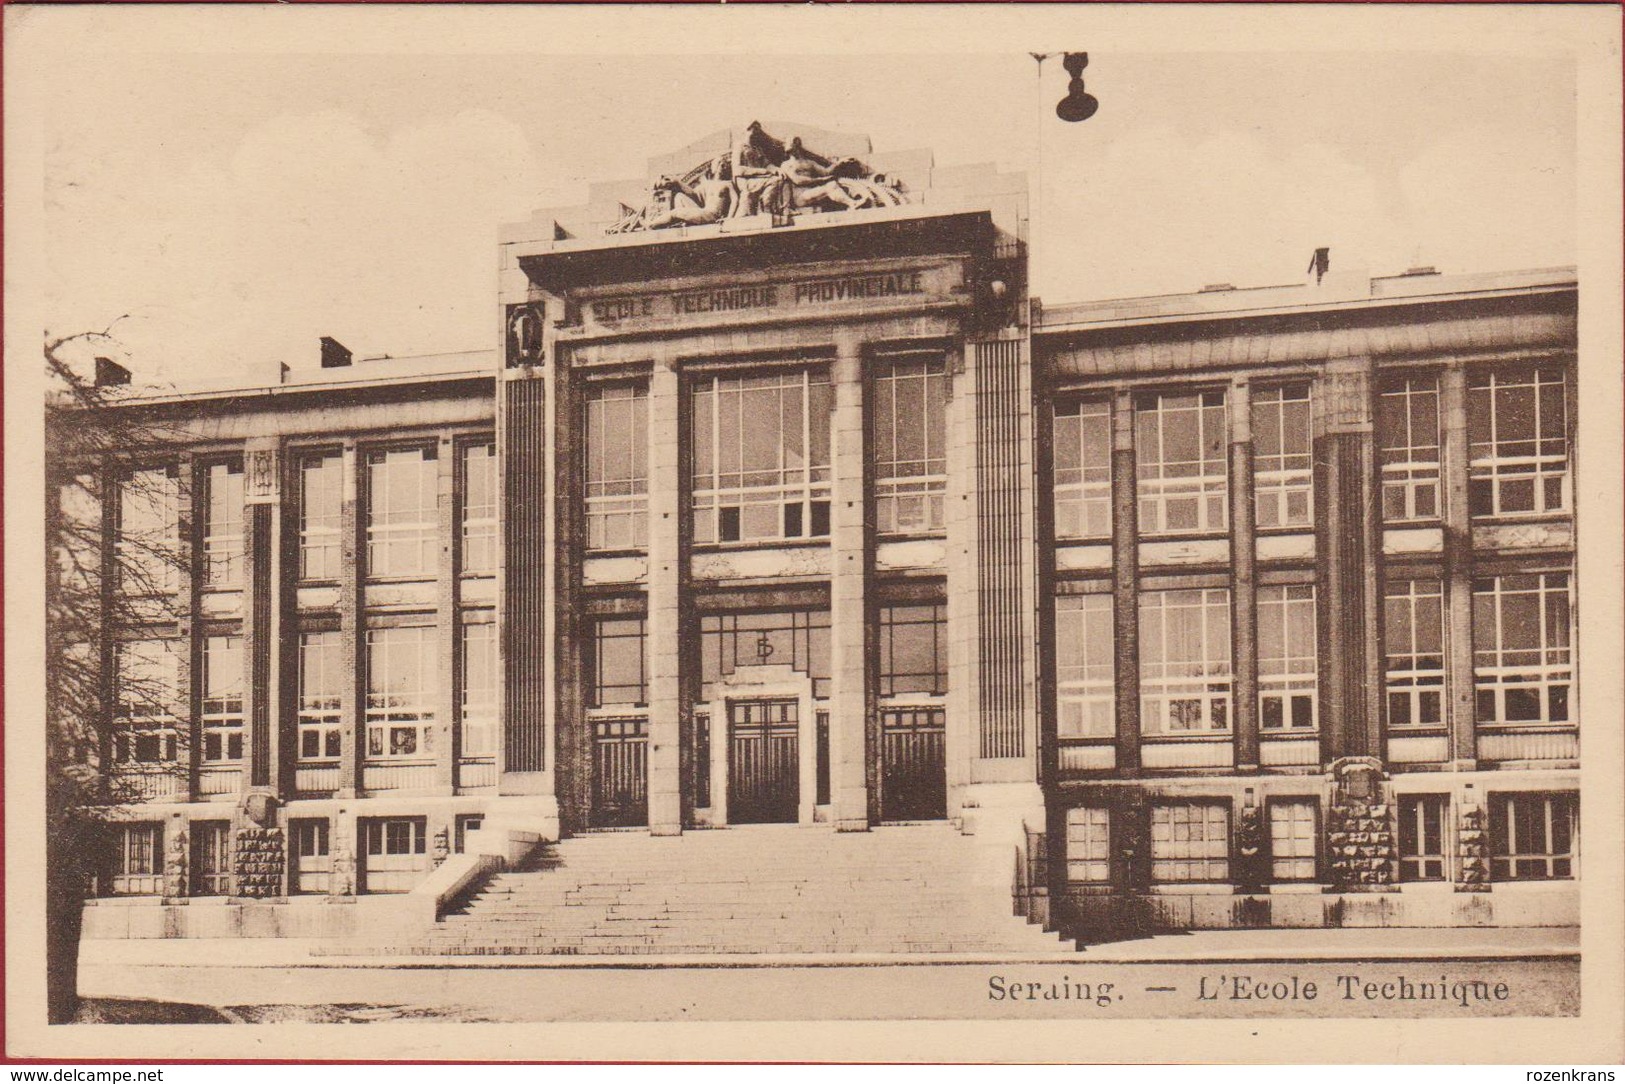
x=110, y=373
x=335, y=355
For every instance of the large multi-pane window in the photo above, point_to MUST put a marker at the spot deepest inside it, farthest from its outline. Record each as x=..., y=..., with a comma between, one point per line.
x=618, y=662
x=148, y=688
x=479, y=509
x=1281, y=478
x=147, y=542
x=1517, y=431
x=1088, y=845
x=402, y=534
x=1523, y=661
x=798, y=639
x=1413, y=632
x=617, y=465
x=1421, y=837
x=478, y=709
x=1180, y=459
x=1185, y=670
x=1408, y=447
x=761, y=456
x=222, y=699
x=1294, y=836
x=1287, y=680
x=1083, y=470
x=1190, y=841
x=1086, y=699
x=223, y=525
x=321, y=506
x=1532, y=836
x=910, y=447
x=321, y=695
x=913, y=650
x=401, y=690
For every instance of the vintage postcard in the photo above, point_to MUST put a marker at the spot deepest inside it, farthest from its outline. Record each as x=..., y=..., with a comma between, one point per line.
x=935, y=533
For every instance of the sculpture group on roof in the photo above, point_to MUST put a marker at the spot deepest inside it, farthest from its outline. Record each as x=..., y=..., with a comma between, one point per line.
x=761, y=175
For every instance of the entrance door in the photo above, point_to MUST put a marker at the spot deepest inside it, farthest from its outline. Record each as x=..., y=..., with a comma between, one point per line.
x=620, y=773
x=764, y=764
x=914, y=781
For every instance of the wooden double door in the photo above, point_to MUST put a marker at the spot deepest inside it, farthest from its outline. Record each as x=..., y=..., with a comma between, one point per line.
x=764, y=761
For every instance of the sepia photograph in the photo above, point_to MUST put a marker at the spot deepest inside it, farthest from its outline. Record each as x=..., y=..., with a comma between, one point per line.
x=1077, y=533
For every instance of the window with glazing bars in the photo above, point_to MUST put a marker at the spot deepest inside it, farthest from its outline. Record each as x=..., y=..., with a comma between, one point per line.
x=1282, y=485
x=321, y=695
x=1083, y=470
x=1287, y=676
x=223, y=525
x=1179, y=448
x=910, y=447
x=321, y=504
x=1518, y=454
x=402, y=486
x=138, y=860
x=1185, y=670
x=1421, y=837
x=761, y=456
x=618, y=662
x=148, y=680
x=1086, y=692
x=147, y=539
x=1190, y=841
x=617, y=466
x=798, y=639
x=401, y=691
x=1532, y=836
x=1408, y=448
x=222, y=699
x=913, y=650
x=1413, y=632
x=479, y=509
x=1523, y=664
x=1088, y=845
x=477, y=714
x=1294, y=838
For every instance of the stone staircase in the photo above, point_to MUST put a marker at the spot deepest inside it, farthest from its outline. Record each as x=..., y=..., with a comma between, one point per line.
x=903, y=889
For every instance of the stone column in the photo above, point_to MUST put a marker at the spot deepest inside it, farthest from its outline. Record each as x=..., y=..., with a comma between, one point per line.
x=1243, y=577
x=262, y=571
x=664, y=627
x=1125, y=585
x=851, y=759
x=189, y=648
x=352, y=647
x=1460, y=701
x=446, y=736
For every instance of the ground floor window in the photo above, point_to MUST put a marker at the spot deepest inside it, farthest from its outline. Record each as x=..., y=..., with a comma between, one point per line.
x=1294, y=839
x=312, y=852
x=393, y=853
x=1088, y=845
x=1190, y=841
x=1532, y=836
x=211, y=858
x=1421, y=837
x=138, y=860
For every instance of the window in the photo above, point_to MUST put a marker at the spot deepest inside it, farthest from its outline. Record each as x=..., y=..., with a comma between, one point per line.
x=321, y=695
x=479, y=511
x=401, y=519
x=910, y=447
x=1088, y=845
x=148, y=689
x=1287, y=680
x=222, y=699
x=321, y=504
x=1086, y=700
x=619, y=662
x=1293, y=838
x=223, y=525
x=138, y=860
x=312, y=854
x=1532, y=836
x=1083, y=470
x=1281, y=479
x=1185, y=661
x=761, y=457
x=913, y=650
x=1421, y=837
x=1408, y=443
x=211, y=858
x=617, y=467
x=147, y=543
x=1179, y=452
x=798, y=639
x=1190, y=841
x=1522, y=661
x=478, y=717
x=466, y=823
x=1413, y=630
x=310, y=838
x=395, y=835
x=400, y=692
x=1517, y=429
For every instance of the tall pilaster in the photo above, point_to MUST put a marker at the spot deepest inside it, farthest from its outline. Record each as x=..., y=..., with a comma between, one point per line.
x=1243, y=576
x=1125, y=592
x=850, y=740
x=445, y=708
x=1460, y=709
x=350, y=632
x=524, y=596
x=664, y=628
x=262, y=570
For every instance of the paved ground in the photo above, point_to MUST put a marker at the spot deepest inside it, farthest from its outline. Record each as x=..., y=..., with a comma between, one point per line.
x=1354, y=973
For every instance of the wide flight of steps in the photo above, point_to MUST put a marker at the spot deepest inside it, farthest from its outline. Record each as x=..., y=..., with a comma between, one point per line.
x=776, y=890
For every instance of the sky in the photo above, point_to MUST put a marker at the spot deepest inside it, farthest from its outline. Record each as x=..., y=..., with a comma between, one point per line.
x=224, y=207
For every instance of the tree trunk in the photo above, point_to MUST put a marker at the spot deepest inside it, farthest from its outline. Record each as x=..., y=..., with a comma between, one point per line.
x=64, y=918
